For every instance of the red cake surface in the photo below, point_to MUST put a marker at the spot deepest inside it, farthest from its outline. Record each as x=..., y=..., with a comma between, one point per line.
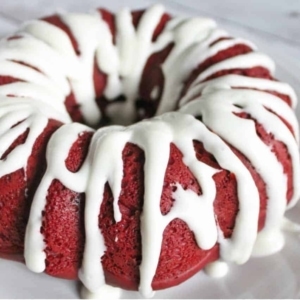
x=180, y=256
x=17, y=191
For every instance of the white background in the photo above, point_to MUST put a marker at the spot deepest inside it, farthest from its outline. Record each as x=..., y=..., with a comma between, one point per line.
x=274, y=25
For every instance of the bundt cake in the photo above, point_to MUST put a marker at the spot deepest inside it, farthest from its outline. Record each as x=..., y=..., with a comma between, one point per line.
x=138, y=148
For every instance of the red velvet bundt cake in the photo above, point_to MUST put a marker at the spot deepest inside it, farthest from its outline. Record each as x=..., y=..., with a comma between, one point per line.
x=202, y=174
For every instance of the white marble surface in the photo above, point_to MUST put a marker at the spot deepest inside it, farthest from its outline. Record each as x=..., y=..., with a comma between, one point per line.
x=274, y=25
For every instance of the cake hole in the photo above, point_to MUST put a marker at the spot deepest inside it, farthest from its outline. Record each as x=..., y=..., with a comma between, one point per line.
x=199, y=118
